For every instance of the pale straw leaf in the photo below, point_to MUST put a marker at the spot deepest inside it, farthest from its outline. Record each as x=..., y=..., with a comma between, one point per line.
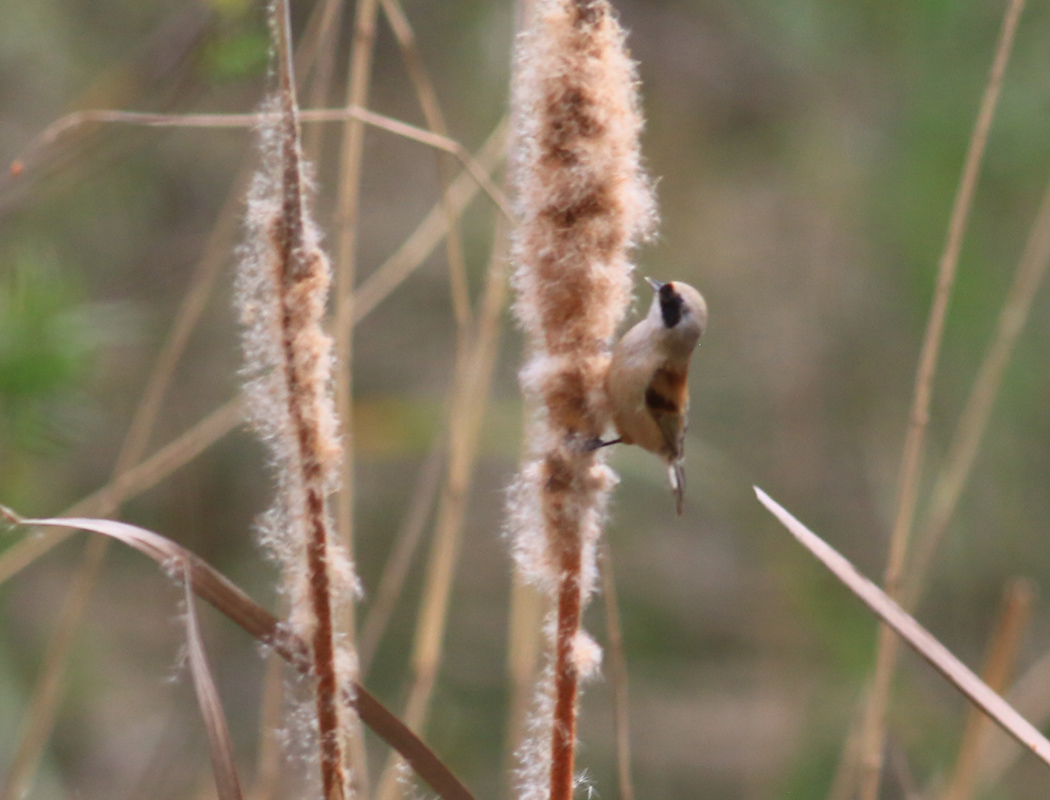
x=916, y=636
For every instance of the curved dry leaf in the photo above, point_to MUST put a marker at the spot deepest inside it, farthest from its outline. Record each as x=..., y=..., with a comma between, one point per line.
x=225, y=596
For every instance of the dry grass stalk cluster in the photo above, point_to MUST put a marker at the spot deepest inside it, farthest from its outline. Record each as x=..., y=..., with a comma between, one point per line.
x=583, y=202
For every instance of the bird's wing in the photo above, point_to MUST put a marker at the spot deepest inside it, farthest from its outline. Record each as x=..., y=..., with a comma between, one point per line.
x=667, y=401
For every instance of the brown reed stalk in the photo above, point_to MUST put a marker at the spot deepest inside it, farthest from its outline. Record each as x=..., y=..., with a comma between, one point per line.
x=583, y=203
x=1014, y=614
x=282, y=289
x=914, y=443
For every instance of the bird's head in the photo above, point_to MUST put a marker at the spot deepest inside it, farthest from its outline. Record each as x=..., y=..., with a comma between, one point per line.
x=681, y=310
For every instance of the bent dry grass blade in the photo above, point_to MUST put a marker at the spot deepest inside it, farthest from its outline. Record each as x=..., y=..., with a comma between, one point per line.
x=916, y=636
x=220, y=748
x=226, y=597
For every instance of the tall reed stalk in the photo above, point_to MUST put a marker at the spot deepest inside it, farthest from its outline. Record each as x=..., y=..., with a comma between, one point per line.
x=282, y=290
x=583, y=202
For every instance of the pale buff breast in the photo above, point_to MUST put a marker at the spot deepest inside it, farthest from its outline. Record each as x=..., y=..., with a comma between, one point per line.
x=629, y=375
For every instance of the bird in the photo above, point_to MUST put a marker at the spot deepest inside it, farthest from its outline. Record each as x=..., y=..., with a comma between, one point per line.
x=647, y=382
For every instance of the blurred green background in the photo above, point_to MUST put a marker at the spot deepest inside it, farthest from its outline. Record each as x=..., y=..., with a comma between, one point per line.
x=807, y=153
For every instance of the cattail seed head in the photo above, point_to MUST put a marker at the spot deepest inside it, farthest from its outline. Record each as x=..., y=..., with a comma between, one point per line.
x=583, y=202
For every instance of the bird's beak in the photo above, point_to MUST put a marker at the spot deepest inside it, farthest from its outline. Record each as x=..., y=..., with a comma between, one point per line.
x=655, y=284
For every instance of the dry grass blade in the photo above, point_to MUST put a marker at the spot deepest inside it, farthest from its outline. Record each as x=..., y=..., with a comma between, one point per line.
x=914, y=443
x=225, y=596
x=220, y=747
x=917, y=637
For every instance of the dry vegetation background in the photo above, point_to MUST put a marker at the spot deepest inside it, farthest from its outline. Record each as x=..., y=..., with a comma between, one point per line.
x=807, y=153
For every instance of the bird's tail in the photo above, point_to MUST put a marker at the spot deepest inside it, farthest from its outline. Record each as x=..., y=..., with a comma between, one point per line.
x=676, y=472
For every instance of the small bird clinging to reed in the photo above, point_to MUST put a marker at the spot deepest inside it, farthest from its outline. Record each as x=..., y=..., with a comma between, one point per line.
x=647, y=383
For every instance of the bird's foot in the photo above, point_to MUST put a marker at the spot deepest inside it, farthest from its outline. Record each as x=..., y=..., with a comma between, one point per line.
x=596, y=443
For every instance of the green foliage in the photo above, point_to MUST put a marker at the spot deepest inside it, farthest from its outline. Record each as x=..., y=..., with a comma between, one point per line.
x=46, y=345
x=237, y=54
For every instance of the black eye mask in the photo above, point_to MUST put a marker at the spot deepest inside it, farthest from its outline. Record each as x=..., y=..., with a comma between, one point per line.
x=670, y=305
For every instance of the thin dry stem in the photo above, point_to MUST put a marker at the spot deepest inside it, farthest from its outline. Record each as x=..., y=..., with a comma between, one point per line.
x=886, y=657
x=327, y=16
x=46, y=694
x=428, y=101
x=406, y=543
x=268, y=761
x=617, y=674
x=40, y=714
x=415, y=249
x=974, y=419
x=220, y=746
x=93, y=116
x=524, y=646
x=1018, y=597
x=348, y=197
x=470, y=393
